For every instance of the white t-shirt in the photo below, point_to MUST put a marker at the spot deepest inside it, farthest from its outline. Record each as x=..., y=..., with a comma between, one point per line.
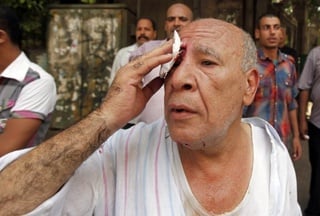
x=139, y=172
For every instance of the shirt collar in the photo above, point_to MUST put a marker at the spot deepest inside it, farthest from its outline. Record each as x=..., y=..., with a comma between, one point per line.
x=261, y=56
x=17, y=69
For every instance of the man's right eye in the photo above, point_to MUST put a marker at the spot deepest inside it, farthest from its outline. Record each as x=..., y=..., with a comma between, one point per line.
x=184, y=19
x=170, y=19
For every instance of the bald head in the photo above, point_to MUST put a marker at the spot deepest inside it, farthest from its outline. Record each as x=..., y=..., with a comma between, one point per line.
x=178, y=15
x=233, y=41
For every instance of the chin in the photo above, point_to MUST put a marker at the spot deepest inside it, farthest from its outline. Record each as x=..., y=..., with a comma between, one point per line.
x=181, y=136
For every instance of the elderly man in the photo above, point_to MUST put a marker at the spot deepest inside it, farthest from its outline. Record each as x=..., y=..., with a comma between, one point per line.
x=202, y=159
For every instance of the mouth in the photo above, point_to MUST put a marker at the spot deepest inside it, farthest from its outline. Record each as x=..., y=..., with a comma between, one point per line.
x=272, y=39
x=178, y=110
x=181, y=112
x=143, y=37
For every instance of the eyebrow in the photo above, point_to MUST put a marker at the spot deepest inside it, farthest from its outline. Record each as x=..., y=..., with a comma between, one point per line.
x=271, y=25
x=208, y=51
x=179, y=17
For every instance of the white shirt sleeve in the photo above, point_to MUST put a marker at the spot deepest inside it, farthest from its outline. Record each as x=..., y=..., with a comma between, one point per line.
x=38, y=96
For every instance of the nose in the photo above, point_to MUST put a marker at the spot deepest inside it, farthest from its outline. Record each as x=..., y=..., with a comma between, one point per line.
x=177, y=21
x=272, y=30
x=182, y=77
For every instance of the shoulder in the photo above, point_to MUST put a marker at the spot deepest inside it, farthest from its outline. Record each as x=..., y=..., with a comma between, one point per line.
x=128, y=48
x=268, y=130
x=287, y=58
x=290, y=58
x=124, y=53
x=35, y=68
x=314, y=52
x=146, y=47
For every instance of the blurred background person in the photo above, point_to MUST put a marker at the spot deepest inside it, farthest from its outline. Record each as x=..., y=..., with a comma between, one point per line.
x=283, y=44
x=309, y=85
x=275, y=98
x=146, y=30
x=27, y=92
x=286, y=49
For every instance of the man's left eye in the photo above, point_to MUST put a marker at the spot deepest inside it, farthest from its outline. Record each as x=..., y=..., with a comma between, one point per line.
x=207, y=62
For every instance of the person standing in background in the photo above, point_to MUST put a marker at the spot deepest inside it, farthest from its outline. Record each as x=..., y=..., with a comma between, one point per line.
x=178, y=15
x=27, y=92
x=284, y=48
x=309, y=85
x=275, y=97
x=146, y=30
x=283, y=45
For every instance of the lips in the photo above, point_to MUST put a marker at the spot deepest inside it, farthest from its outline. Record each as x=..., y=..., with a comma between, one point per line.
x=272, y=39
x=179, y=108
x=180, y=111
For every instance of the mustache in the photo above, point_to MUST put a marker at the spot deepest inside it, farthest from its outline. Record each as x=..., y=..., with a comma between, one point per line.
x=144, y=37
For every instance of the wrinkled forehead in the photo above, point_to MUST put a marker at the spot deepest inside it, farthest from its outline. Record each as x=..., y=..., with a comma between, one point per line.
x=214, y=33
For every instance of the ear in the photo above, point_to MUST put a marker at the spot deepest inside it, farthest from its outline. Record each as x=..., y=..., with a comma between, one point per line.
x=3, y=36
x=252, y=83
x=256, y=34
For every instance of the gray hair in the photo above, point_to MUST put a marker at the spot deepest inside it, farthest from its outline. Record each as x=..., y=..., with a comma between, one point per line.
x=249, y=58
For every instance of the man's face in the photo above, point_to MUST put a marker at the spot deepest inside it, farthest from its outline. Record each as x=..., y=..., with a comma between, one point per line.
x=204, y=90
x=269, y=32
x=145, y=31
x=178, y=15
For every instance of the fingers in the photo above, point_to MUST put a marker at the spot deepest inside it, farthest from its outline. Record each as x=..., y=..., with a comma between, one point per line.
x=145, y=63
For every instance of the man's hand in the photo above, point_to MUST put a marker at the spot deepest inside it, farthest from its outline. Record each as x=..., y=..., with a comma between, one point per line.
x=297, y=149
x=127, y=97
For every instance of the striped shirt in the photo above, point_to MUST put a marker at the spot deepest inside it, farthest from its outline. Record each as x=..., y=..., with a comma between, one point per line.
x=138, y=172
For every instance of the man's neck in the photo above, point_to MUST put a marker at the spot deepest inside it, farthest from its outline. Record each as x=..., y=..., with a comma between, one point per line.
x=8, y=56
x=271, y=53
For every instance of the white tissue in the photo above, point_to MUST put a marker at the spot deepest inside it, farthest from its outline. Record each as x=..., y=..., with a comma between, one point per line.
x=165, y=68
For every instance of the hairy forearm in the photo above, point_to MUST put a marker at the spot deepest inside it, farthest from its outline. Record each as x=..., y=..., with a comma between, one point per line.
x=35, y=177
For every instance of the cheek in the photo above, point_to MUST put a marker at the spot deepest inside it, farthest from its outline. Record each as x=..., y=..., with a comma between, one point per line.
x=224, y=97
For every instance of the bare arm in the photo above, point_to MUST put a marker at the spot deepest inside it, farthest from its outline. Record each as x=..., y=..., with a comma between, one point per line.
x=39, y=174
x=17, y=133
x=297, y=148
x=303, y=103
